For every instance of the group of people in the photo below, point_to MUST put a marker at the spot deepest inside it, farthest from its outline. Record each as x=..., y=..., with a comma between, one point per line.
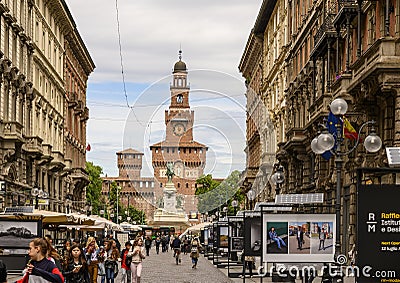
x=85, y=262
x=78, y=263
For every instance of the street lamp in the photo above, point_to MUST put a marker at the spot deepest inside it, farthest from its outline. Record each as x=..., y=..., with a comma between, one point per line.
x=251, y=195
x=112, y=216
x=88, y=208
x=326, y=142
x=278, y=178
x=225, y=210
x=234, y=205
x=38, y=194
x=68, y=202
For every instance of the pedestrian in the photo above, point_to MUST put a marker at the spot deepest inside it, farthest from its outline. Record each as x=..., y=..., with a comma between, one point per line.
x=137, y=255
x=185, y=245
x=322, y=237
x=195, y=252
x=274, y=237
x=126, y=263
x=111, y=238
x=76, y=268
x=176, y=245
x=102, y=269
x=39, y=268
x=248, y=262
x=52, y=254
x=111, y=264
x=65, y=250
x=300, y=238
x=3, y=272
x=158, y=242
x=164, y=243
x=147, y=244
x=91, y=254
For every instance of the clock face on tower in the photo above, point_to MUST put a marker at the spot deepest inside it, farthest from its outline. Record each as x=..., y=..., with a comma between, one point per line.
x=179, y=129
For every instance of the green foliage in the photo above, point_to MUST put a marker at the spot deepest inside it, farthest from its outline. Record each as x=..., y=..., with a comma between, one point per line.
x=137, y=216
x=212, y=195
x=93, y=190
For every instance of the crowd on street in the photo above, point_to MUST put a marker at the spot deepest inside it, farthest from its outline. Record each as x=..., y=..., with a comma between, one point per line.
x=92, y=260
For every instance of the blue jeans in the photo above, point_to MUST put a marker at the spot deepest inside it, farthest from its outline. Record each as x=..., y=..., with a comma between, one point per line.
x=279, y=241
x=110, y=275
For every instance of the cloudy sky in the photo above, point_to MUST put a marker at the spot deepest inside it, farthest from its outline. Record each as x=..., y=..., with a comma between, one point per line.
x=212, y=35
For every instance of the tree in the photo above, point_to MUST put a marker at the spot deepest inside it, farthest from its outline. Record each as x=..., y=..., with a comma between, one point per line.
x=93, y=190
x=213, y=194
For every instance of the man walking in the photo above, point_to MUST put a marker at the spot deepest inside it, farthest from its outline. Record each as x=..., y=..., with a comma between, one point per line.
x=126, y=263
x=300, y=238
x=322, y=237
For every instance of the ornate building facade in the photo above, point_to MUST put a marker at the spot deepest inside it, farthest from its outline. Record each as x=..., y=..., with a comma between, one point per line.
x=40, y=46
x=179, y=148
x=333, y=49
x=136, y=191
x=264, y=67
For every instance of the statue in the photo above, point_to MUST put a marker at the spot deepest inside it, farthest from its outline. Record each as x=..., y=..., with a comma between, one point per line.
x=170, y=171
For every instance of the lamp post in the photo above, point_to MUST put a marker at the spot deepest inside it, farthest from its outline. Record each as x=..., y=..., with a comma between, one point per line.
x=225, y=210
x=38, y=194
x=278, y=178
x=326, y=142
x=88, y=208
x=251, y=195
x=68, y=202
x=112, y=216
x=234, y=205
x=118, y=189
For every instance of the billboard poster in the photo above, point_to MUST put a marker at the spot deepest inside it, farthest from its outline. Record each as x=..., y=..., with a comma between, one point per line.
x=16, y=236
x=299, y=237
x=237, y=244
x=223, y=237
x=252, y=236
x=378, y=233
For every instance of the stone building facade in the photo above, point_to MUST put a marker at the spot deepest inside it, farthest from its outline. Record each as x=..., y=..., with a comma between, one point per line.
x=335, y=49
x=179, y=148
x=264, y=67
x=40, y=48
x=136, y=191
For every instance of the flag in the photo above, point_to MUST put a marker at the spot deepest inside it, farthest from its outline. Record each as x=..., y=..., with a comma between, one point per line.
x=332, y=124
x=348, y=130
x=88, y=147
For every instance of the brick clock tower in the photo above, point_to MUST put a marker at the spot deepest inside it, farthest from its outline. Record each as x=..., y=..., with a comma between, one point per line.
x=179, y=148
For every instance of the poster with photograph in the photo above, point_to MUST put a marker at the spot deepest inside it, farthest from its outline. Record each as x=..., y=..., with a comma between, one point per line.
x=18, y=234
x=252, y=238
x=223, y=237
x=299, y=237
x=206, y=236
x=237, y=244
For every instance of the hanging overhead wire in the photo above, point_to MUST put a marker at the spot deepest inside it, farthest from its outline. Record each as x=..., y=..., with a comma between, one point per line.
x=122, y=64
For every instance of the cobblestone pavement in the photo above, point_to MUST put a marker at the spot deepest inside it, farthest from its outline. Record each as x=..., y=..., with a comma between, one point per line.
x=162, y=268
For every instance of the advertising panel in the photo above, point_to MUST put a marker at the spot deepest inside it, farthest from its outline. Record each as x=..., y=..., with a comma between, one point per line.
x=378, y=248
x=223, y=237
x=237, y=244
x=299, y=237
x=252, y=236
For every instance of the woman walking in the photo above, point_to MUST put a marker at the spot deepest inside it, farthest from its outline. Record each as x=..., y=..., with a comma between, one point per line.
x=137, y=255
x=76, y=268
x=91, y=253
x=111, y=264
x=195, y=252
x=39, y=268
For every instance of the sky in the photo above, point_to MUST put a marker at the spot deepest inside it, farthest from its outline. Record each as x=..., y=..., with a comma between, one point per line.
x=127, y=110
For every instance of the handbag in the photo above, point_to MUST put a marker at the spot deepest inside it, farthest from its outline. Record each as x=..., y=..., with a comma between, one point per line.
x=102, y=269
x=116, y=269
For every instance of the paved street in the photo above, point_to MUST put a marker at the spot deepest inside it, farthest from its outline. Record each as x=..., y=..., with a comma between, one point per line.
x=162, y=268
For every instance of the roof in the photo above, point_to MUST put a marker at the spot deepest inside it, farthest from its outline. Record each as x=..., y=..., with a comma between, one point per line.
x=180, y=66
x=130, y=151
x=192, y=144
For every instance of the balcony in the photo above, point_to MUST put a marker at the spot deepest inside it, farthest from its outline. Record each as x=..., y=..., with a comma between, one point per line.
x=345, y=8
x=57, y=161
x=46, y=157
x=12, y=131
x=33, y=145
x=324, y=36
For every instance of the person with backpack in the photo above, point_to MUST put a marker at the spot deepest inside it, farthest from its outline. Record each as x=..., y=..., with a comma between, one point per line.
x=147, y=244
x=126, y=263
x=195, y=252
